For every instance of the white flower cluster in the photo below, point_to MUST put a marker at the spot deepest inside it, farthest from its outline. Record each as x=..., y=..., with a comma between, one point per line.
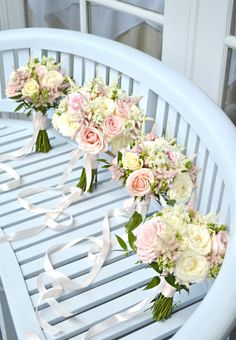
x=184, y=243
x=104, y=107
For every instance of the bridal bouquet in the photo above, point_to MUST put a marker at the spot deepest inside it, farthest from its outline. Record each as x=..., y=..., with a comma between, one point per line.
x=38, y=86
x=154, y=167
x=183, y=247
x=98, y=117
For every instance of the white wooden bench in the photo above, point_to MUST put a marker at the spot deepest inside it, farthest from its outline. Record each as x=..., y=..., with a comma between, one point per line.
x=179, y=107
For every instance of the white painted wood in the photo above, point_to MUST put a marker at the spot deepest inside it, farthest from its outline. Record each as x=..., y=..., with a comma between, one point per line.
x=127, y=8
x=174, y=100
x=89, y=70
x=83, y=16
x=12, y=14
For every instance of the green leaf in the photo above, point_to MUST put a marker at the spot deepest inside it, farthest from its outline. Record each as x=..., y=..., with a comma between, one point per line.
x=19, y=107
x=171, y=202
x=155, y=266
x=122, y=243
x=135, y=220
x=16, y=97
x=131, y=239
x=153, y=283
x=102, y=160
x=106, y=166
x=119, y=156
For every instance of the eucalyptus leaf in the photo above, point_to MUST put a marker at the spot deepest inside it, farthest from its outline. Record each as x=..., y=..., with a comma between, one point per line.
x=135, y=220
x=153, y=283
x=122, y=243
x=131, y=239
x=19, y=107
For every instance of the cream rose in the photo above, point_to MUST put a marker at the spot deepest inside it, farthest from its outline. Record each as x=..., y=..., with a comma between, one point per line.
x=182, y=188
x=30, y=88
x=103, y=106
x=91, y=140
x=191, y=267
x=113, y=126
x=138, y=183
x=131, y=161
x=199, y=239
x=65, y=124
x=52, y=79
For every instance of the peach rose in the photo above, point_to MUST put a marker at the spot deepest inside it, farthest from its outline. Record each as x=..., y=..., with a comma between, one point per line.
x=219, y=243
x=146, y=239
x=138, y=182
x=91, y=140
x=122, y=108
x=113, y=126
x=75, y=101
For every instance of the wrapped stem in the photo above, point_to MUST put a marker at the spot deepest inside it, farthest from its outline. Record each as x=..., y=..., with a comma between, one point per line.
x=42, y=142
x=83, y=180
x=162, y=308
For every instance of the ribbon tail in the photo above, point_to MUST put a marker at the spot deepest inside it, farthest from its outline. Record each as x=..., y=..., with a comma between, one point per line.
x=75, y=155
x=13, y=183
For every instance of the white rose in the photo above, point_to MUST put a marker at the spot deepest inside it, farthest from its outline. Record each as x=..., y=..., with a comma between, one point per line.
x=52, y=79
x=65, y=124
x=199, y=239
x=131, y=161
x=182, y=188
x=103, y=106
x=191, y=267
x=30, y=88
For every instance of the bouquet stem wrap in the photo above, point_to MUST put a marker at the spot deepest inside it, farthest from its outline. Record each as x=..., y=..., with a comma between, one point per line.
x=39, y=138
x=88, y=178
x=162, y=307
x=42, y=143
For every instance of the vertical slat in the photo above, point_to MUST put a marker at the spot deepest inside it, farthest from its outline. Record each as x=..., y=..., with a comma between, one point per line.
x=224, y=208
x=192, y=144
x=125, y=83
x=23, y=56
x=54, y=55
x=78, y=71
x=8, y=67
x=172, y=122
x=202, y=159
x=183, y=131
x=65, y=63
x=113, y=76
x=101, y=72
x=161, y=116
x=206, y=194
x=35, y=53
x=216, y=193
x=89, y=69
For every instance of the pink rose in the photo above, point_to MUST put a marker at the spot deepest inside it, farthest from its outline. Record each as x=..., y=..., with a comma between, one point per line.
x=146, y=239
x=122, y=108
x=76, y=101
x=219, y=243
x=40, y=70
x=113, y=126
x=138, y=182
x=91, y=140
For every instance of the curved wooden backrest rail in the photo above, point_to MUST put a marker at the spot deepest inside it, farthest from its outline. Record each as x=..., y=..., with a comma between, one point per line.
x=180, y=108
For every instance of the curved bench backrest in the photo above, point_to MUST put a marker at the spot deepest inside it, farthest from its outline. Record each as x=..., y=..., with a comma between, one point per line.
x=179, y=108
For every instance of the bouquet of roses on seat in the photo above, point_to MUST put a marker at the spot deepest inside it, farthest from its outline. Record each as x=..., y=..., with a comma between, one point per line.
x=154, y=167
x=183, y=247
x=38, y=86
x=98, y=117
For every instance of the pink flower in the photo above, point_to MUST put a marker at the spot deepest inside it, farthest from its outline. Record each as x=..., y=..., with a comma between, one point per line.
x=138, y=182
x=113, y=126
x=219, y=243
x=146, y=239
x=40, y=70
x=122, y=108
x=75, y=101
x=91, y=140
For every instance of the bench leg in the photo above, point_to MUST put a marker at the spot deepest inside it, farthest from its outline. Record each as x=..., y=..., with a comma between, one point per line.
x=7, y=327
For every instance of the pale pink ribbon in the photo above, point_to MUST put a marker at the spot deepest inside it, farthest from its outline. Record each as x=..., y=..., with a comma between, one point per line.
x=70, y=195
x=98, y=254
x=39, y=123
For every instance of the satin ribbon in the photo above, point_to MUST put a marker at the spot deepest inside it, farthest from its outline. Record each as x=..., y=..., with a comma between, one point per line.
x=73, y=195
x=39, y=123
x=97, y=254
